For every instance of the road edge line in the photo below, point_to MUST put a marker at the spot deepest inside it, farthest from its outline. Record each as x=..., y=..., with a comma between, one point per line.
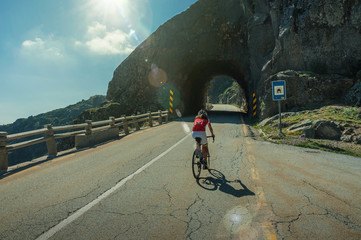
x=267, y=227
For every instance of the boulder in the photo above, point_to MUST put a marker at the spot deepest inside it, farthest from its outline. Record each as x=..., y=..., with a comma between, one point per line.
x=348, y=131
x=358, y=139
x=346, y=138
x=308, y=132
x=327, y=130
x=300, y=126
x=267, y=121
x=270, y=120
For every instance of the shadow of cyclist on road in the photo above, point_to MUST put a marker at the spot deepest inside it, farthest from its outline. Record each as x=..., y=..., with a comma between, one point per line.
x=219, y=181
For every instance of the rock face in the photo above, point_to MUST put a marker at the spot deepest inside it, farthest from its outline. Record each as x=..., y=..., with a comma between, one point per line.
x=353, y=96
x=305, y=90
x=246, y=40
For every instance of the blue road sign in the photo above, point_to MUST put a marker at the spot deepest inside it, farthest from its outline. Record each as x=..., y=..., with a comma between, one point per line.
x=279, y=90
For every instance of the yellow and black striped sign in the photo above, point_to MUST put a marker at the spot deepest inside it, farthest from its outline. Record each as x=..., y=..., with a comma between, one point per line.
x=254, y=105
x=171, y=100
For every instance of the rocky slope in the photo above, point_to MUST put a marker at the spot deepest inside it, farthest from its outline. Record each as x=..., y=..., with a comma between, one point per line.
x=331, y=128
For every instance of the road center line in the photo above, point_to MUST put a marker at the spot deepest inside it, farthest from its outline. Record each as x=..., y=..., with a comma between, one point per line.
x=106, y=194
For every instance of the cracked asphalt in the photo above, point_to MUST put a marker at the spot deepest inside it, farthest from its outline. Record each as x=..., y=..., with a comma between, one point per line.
x=254, y=190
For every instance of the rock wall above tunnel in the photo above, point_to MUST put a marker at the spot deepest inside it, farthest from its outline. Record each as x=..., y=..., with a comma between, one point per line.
x=246, y=40
x=207, y=40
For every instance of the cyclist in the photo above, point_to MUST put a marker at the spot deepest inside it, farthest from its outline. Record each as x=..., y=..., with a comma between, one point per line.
x=199, y=130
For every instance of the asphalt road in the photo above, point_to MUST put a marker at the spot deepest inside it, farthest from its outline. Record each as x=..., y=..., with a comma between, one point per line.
x=142, y=187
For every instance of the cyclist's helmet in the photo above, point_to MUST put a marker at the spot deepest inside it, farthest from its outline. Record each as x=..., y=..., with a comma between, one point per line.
x=202, y=112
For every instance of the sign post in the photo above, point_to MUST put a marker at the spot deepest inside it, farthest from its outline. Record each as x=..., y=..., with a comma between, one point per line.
x=279, y=94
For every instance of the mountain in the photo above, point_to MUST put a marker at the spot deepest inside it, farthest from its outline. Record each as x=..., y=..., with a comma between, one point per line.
x=58, y=117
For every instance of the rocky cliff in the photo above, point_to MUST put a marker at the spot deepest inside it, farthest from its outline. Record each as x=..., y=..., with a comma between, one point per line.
x=249, y=41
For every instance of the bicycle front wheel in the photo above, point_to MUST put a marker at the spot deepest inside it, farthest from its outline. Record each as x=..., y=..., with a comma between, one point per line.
x=196, y=165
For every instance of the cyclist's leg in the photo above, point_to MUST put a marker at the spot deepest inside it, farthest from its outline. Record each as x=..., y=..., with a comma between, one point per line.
x=204, y=143
x=205, y=152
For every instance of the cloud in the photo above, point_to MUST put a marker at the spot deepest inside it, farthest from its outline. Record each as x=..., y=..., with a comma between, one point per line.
x=28, y=43
x=42, y=48
x=96, y=30
x=104, y=42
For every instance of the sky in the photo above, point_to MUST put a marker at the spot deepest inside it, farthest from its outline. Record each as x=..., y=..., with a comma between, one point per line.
x=54, y=53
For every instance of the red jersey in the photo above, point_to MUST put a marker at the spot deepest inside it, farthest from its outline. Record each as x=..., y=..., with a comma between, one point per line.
x=200, y=124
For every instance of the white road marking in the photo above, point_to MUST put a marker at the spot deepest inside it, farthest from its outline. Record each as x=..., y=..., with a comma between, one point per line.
x=106, y=194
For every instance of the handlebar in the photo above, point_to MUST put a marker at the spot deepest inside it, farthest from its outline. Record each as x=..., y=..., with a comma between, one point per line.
x=211, y=137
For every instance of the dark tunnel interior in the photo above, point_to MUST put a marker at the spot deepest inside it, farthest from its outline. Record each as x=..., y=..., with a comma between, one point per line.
x=201, y=74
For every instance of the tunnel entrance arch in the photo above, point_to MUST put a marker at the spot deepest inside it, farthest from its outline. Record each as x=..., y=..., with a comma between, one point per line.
x=195, y=86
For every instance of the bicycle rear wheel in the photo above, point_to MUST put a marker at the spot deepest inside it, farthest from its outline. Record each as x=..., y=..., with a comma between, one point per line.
x=196, y=165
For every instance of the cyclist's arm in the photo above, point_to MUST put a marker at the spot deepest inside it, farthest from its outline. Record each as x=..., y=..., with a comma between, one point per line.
x=211, y=129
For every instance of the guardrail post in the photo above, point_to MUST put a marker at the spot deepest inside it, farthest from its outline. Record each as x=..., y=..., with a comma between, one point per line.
x=125, y=125
x=50, y=140
x=167, y=116
x=3, y=152
x=88, y=129
x=112, y=124
x=150, y=119
x=160, y=117
x=136, y=123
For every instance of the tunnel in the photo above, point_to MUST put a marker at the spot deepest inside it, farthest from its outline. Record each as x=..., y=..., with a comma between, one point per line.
x=195, y=87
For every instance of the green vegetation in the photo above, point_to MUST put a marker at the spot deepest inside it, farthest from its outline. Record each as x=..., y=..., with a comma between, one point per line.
x=325, y=146
x=100, y=113
x=331, y=113
x=232, y=95
x=218, y=86
x=348, y=116
x=307, y=74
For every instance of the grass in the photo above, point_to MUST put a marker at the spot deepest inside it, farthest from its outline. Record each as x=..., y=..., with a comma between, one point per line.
x=325, y=146
x=340, y=114
x=331, y=113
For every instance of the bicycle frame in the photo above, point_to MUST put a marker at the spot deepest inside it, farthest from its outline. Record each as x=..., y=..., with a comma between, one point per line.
x=198, y=154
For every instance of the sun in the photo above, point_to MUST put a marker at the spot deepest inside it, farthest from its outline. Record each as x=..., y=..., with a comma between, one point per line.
x=111, y=11
x=123, y=15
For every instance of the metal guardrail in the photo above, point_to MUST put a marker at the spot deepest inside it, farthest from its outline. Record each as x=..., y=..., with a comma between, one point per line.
x=49, y=135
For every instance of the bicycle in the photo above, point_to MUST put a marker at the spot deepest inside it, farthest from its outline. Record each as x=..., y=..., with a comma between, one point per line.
x=198, y=161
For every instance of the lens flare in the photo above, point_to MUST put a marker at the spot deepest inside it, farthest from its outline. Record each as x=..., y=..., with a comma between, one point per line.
x=157, y=77
x=179, y=114
x=237, y=218
x=186, y=128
